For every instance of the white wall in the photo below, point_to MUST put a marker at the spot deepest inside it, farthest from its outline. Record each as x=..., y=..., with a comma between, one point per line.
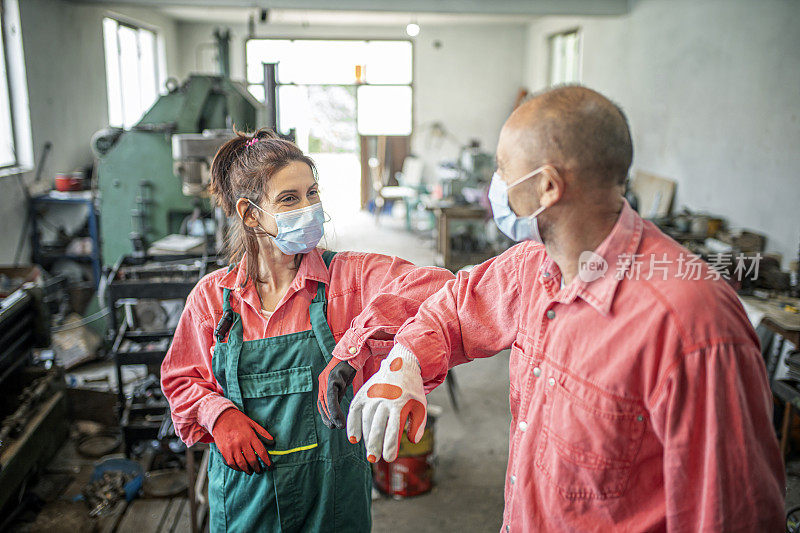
x=469, y=84
x=65, y=64
x=712, y=91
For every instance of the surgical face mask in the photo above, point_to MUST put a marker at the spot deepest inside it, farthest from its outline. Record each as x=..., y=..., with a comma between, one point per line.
x=515, y=227
x=299, y=230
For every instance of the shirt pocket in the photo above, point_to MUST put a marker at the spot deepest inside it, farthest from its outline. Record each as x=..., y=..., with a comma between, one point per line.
x=517, y=365
x=589, y=440
x=282, y=402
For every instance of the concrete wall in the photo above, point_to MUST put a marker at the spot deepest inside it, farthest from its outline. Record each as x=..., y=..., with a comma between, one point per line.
x=711, y=89
x=65, y=63
x=469, y=83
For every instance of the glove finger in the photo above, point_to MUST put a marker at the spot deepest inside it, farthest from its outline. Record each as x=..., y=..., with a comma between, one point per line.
x=417, y=415
x=354, y=419
x=252, y=461
x=241, y=462
x=366, y=418
x=261, y=452
x=335, y=395
x=323, y=413
x=229, y=462
x=263, y=434
x=394, y=431
x=377, y=433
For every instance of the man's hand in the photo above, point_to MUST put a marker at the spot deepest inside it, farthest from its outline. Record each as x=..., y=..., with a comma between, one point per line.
x=242, y=442
x=333, y=381
x=382, y=406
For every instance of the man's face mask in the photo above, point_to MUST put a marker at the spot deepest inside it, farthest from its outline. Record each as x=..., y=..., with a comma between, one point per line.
x=515, y=227
x=299, y=230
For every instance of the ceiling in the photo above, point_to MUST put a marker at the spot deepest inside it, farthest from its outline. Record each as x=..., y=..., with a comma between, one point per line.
x=234, y=15
x=383, y=11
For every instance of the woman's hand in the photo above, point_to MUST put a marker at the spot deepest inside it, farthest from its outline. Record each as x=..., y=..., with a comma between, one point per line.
x=242, y=442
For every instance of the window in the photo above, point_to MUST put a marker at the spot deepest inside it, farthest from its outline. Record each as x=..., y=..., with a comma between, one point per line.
x=131, y=71
x=16, y=150
x=565, y=57
x=380, y=72
x=7, y=150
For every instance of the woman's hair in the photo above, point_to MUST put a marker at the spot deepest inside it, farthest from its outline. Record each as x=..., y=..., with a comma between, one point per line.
x=242, y=168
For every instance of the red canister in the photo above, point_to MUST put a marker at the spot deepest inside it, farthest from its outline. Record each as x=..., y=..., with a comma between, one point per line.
x=411, y=474
x=69, y=182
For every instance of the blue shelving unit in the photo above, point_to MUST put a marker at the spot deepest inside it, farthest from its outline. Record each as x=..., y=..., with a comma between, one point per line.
x=52, y=200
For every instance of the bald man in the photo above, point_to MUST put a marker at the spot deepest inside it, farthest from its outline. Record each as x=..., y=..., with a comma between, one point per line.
x=639, y=398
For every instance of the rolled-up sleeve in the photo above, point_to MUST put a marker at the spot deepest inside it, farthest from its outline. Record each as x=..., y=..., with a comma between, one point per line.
x=475, y=315
x=187, y=378
x=392, y=290
x=722, y=467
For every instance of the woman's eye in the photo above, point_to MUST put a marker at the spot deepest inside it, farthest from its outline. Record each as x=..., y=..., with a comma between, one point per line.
x=289, y=198
x=313, y=193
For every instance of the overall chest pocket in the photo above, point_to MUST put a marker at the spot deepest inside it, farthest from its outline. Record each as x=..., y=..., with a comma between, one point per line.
x=282, y=402
x=589, y=441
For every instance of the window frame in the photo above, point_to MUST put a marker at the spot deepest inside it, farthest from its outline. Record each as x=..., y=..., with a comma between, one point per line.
x=158, y=66
x=278, y=84
x=551, y=38
x=16, y=80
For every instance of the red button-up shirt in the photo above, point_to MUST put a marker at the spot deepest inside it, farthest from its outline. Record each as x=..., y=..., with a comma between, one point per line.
x=637, y=404
x=369, y=298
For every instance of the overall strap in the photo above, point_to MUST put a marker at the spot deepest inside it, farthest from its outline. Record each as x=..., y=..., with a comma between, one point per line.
x=235, y=337
x=226, y=293
x=319, y=312
x=234, y=392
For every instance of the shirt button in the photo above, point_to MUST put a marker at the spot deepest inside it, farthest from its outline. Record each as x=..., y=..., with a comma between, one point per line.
x=508, y=528
x=551, y=314
x=640, y=418
x=352, y=350
x=523, y=426
x=546, y=274
x=551, y=382
x=537, y=371
x=513, y=479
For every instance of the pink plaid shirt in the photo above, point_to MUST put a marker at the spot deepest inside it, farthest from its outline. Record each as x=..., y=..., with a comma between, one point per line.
x=639, y=404
x=369, y=298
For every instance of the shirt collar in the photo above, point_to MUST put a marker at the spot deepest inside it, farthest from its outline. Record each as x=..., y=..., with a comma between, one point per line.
x=621, y=243
x=312, y=268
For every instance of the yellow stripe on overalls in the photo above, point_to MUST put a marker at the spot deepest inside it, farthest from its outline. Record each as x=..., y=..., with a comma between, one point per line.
x=284, y=452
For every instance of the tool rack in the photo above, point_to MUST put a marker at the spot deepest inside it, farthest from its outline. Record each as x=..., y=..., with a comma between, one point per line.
x=168, y=277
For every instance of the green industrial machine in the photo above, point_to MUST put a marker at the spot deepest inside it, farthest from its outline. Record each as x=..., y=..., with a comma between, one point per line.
x=143, y=199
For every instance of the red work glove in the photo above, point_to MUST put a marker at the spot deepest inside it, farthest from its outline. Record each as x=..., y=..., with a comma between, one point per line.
x=242, y=442
x=333, y=381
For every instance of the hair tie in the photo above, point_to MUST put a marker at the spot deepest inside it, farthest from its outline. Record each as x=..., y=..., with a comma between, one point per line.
x=251, y=142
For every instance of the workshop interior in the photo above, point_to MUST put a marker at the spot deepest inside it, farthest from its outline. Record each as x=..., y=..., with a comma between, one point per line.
x=112, y=111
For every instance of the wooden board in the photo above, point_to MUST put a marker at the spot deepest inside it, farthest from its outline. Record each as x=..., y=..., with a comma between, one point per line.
x=654, y=194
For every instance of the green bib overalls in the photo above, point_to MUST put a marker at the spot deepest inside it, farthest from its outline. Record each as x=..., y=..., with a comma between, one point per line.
x=321, y=482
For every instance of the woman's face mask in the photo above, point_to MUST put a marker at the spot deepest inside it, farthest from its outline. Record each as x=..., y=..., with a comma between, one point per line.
x=299, y=230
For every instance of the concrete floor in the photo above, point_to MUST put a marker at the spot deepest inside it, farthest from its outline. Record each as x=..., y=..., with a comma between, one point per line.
x=471, y=446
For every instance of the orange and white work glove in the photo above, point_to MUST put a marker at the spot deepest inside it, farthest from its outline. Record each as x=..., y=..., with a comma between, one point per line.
x=393, y=396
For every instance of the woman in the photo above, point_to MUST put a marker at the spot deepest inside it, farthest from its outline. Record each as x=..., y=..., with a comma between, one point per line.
x=241, y=371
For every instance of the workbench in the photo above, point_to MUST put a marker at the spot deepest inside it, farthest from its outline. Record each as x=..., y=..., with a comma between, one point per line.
x=445, y=216
x=787, y=326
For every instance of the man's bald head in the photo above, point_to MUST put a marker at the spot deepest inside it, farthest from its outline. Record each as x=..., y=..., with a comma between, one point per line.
x=573, y=128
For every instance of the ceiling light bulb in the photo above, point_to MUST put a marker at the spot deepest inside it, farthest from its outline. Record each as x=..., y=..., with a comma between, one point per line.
x=412, y=29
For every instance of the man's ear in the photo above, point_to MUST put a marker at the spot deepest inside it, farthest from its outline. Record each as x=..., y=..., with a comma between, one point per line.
x=551, y=187
x=247, y=215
